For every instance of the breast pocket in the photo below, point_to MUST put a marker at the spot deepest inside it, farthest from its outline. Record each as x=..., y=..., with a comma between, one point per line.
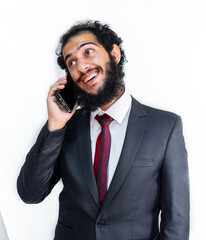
x=143, y=162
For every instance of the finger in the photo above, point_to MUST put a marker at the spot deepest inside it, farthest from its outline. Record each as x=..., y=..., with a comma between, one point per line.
x=55, y=88
x=60, y=84
x=61, y=81
x=62, y=78
x=75, y=108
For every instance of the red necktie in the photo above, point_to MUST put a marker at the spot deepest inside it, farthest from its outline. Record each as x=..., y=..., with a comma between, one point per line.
x=102, y=154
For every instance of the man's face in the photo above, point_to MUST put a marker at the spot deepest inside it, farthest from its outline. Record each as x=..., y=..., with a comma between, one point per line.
x=86, y=60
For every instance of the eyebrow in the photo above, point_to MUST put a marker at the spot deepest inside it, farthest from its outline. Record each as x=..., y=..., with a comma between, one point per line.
x=82, y=45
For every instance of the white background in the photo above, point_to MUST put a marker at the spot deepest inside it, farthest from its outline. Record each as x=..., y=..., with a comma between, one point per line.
x=165, y=44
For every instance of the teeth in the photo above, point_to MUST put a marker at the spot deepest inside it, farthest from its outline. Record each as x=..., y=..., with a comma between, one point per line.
x=90, y=77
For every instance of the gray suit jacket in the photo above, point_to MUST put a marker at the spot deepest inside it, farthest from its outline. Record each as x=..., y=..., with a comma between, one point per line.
x=151, y=177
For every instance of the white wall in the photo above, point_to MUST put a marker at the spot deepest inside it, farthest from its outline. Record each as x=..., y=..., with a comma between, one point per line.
x=3, y=232
x=165, y=43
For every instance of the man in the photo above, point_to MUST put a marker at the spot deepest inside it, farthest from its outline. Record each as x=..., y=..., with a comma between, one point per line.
x=147, y=171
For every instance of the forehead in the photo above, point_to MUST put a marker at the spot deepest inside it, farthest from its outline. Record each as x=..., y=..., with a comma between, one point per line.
x=76, y=41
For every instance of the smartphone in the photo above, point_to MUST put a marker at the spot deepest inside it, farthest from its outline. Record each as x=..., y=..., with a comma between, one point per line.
x=66, y=95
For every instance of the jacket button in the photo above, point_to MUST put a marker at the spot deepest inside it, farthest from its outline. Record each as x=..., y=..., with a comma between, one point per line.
x=101, y=223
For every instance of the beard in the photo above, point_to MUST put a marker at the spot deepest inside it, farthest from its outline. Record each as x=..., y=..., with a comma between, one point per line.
x=111, y=89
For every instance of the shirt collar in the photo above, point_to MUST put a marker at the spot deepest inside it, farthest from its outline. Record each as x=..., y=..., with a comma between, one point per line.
x=117, y=110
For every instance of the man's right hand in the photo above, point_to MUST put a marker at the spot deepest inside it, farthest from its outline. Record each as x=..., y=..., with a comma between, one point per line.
x=57, y=117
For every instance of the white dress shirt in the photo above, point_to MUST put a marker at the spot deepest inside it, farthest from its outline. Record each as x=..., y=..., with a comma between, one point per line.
x=119, y=111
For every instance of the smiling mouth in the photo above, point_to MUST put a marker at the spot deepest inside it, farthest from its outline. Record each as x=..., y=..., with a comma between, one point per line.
x=91, y=77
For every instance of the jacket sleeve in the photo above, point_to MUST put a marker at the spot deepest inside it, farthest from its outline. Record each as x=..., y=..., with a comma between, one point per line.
x=40, y=171
x=175, y=203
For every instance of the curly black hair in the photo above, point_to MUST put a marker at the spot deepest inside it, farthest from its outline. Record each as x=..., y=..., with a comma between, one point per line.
x=104, y=34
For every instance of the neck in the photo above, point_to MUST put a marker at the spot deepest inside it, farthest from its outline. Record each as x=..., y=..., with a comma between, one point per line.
x=121, y=91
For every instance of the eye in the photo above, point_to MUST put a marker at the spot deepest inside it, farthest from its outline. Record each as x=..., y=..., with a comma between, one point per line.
x=89, y=51
x=71, y=63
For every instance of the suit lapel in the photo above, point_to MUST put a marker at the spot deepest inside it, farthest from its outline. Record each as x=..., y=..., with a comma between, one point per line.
x=85, y=156
x=133, y=139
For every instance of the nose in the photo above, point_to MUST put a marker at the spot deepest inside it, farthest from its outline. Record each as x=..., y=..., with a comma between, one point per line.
x=82, y=65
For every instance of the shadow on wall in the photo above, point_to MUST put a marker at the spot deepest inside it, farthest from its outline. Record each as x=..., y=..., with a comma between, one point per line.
x=3, y=233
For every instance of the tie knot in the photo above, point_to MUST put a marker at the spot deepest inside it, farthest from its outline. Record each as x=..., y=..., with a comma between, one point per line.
x=104, y=120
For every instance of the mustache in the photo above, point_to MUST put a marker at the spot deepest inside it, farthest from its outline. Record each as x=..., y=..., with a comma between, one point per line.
x=95, y=68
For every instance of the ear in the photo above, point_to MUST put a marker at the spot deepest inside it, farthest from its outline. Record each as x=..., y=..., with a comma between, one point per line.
x=116, y=53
